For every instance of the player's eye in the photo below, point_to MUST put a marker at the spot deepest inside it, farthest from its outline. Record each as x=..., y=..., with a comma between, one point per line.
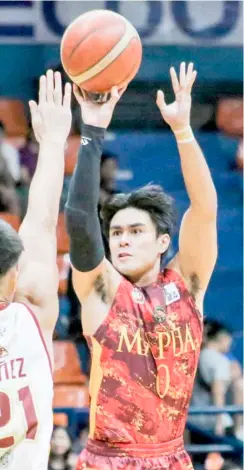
x=116, y=233
x=135, y=231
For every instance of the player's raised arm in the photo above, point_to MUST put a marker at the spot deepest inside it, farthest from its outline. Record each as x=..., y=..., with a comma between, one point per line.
x=38, y=278
x=198, y=234
x=83, y=226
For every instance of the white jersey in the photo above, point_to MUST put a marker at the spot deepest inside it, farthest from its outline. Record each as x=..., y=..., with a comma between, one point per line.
x=26, y=391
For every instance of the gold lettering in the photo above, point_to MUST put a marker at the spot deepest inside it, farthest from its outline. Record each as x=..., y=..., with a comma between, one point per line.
x=161, y=344
x=189, y=339
x=137, y=340
x=166, y=380
x=146, y=345
x=177, y=338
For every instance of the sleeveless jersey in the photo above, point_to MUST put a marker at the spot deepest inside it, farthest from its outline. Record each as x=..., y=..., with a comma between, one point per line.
x=26, y=391
x=144, y=360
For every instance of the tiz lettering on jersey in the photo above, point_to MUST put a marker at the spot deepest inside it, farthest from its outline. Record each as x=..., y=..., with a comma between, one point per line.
x=13, y=369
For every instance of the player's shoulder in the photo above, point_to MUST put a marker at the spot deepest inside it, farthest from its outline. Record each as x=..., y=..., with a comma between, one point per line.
x=12, y=311
x=21, y=314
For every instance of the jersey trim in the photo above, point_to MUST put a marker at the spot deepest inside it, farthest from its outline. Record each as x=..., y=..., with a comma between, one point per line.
x=4, y=305
x=41, y=335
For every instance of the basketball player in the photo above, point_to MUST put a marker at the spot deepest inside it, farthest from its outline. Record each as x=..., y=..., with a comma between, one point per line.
x=28, y=293
x=143, y=325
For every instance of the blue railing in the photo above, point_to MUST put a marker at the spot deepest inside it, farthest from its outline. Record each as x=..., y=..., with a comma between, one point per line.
x=222, y=444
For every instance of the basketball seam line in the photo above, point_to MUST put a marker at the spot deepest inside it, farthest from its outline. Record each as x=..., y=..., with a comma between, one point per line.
x=94, y=31
x=109, y=58
x=128, y=74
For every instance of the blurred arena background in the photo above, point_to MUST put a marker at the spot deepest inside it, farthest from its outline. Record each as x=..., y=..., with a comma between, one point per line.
x=139, y=148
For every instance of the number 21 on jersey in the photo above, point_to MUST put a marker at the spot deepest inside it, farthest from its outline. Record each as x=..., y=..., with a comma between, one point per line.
x=25, y=397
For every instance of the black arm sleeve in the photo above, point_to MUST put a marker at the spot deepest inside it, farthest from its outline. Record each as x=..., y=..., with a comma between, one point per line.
x=82, y=221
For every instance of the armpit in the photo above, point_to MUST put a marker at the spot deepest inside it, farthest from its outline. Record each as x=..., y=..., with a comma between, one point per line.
x=100, y=288
x=194, y=285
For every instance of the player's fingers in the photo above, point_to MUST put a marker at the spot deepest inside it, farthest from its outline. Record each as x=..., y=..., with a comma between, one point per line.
x=115, y=96
x=50, y=83
x=174, y=80
x=161, y=100
x=33, y=107
x=189, y=71
x=182, y=74
x=191, y=81
x=42, y=90
x=67, y=95
x=57, y=88
x=122, y=90
x=77, y=93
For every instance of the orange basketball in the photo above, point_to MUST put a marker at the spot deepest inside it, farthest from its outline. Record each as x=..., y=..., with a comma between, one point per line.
x=101, y=49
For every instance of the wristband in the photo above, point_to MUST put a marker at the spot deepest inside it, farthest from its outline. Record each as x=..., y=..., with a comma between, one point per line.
x=184, y=135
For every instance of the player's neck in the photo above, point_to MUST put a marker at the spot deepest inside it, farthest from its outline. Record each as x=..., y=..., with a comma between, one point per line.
x=148, y=277
x=4, y=298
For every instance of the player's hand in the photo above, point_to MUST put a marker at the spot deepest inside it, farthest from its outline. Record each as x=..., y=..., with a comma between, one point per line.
x=95, y=114
x=51, y=117
x=177, y=114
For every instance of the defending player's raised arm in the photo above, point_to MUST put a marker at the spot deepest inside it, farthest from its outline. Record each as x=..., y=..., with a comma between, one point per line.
x=38, y=274
x=198, y=233
x=83, y=225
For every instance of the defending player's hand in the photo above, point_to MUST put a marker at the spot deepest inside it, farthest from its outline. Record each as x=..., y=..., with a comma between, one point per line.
x=177, y=114
x=95, y=114
x=51, y=117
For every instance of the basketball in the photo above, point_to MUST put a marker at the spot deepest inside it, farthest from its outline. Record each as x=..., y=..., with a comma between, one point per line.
x=101, y=49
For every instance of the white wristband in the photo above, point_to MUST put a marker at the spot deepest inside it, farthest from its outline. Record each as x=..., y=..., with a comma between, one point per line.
x=185, y=141
x=180, y=131
x=184, y=136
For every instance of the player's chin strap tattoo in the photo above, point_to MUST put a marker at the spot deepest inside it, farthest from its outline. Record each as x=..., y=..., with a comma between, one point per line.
x=83, y=226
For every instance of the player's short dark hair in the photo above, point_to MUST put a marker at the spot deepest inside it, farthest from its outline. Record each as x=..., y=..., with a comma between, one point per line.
x=11, y=247
x=149, y=198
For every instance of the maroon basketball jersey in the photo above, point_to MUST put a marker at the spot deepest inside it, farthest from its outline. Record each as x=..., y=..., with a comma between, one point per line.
x=144, y=359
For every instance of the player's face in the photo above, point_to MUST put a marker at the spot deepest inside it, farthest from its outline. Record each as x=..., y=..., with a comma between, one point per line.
x=134, y=245
x=60, y=442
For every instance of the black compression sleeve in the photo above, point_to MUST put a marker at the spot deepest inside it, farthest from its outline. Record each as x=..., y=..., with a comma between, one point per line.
x=82, y=221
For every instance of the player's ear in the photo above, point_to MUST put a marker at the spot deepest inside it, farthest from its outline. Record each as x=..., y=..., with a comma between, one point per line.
x=164, y=242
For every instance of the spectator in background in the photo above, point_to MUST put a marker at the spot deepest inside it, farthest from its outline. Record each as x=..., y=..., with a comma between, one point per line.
x=239, y=156
x=28, y=155
x=81, y=441
x=61, y=455
x=215, y=461
x=109, y=167
x=230, y=466
x=215, y=377
x=10, y=155
x=8, y=196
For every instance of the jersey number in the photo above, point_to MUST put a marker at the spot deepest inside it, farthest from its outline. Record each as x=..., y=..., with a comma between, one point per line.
x=30, y=415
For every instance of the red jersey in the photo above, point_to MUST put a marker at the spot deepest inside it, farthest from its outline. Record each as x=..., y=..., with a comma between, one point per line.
x=144, y=360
